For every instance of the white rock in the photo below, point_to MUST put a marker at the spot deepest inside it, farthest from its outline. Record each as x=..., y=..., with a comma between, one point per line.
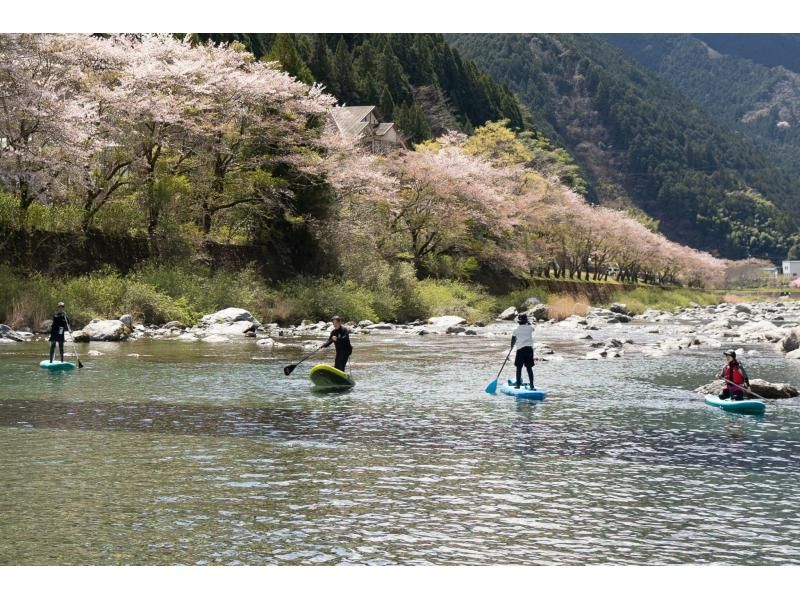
x=446, y=321
x=105, y=330
x=94, y=353
x=268, y=343
x=508, y=314
x=215, y=338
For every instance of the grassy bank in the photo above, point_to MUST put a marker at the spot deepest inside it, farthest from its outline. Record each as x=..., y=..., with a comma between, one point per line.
x=156, y=294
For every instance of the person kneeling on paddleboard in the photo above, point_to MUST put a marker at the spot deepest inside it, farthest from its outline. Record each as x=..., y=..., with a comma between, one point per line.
x=57, y=331
x=733, y=372
x=340, y=336
x=523, y=338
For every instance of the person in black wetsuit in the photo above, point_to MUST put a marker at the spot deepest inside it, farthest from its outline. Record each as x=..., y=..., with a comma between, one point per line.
x=57, y=331
x=340, y=336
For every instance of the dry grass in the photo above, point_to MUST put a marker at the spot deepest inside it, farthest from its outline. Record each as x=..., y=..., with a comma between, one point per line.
x=560, y=307
x=26, y=311
x=732, y=298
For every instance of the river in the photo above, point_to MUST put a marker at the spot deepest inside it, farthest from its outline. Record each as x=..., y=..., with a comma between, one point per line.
x=192, y=453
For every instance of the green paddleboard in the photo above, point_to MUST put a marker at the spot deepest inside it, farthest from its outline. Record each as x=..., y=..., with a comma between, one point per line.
x=326, y=377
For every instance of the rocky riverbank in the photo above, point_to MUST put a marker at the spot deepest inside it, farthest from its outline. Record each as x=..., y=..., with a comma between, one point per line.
x=603, y=333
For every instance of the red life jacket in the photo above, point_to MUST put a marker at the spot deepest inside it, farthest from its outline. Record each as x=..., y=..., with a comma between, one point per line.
x=733, y=374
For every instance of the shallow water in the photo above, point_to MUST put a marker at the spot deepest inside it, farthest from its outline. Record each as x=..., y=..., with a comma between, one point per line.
x=201, y=454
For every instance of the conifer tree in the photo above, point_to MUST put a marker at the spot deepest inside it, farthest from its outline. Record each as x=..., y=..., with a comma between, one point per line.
x=386, y=104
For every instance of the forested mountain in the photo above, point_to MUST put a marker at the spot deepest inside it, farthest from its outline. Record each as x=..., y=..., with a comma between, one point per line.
x=644, y=143
x=734, y=83
x=417, y=80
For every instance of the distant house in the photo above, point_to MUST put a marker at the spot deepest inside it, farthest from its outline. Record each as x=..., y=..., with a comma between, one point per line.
x=364, y=122
x=791, y=268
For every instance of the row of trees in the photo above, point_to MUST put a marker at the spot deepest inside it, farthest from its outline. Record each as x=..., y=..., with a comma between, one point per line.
x=169, y=123
x=89, y=119
x=459, y=202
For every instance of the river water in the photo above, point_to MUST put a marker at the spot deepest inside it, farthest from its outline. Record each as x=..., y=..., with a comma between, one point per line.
x=192, y=453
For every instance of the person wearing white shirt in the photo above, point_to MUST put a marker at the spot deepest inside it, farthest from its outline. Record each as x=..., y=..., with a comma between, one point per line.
x=522, y=337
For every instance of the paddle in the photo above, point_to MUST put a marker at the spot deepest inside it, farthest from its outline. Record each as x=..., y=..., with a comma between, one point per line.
x=290, y=368
x=491, y=388
x=74, y=346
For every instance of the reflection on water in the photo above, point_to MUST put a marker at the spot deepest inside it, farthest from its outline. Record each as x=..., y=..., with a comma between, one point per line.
x=195, y=454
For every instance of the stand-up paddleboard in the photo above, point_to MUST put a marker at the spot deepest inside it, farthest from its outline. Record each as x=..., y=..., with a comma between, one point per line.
x=751, y=406
x=56, y=365
x=326, y=377
x=523, y=392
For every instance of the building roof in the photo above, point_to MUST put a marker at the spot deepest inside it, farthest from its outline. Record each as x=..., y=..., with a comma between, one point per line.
x=383, y=128
x=351, y=120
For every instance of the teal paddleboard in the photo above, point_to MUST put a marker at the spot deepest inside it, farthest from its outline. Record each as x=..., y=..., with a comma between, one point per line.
x=749, y=406
x=524, y=392
x=56, y=365
x=326, y=377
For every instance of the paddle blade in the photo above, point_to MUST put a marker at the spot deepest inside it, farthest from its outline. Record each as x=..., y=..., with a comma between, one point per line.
x=80, y=365
x=491, y=388
x=289, y=369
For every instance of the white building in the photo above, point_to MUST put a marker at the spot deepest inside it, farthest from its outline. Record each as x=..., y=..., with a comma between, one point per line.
x=791, y=268
x=364, y=122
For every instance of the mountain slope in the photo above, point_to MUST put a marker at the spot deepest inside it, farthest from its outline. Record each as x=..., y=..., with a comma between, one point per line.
x=643, y=142
x=760, y=102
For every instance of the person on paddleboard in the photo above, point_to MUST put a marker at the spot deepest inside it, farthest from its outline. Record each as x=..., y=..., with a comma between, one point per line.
x=340, y=337
x=57, y=331
x=733, y=372
x=522, y=337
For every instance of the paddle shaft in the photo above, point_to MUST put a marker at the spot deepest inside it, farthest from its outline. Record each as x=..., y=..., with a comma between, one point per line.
x=290, y=368
x=505, y=361
x=72, y=340
x=746, y=389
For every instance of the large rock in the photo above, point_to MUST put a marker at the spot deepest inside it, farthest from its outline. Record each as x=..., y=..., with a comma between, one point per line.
x=790, y=341
x=446, y=321
x=79, y=336
x=365, y=323
x=127, y=319
x=768, y=390
x=232, y=321
x=618, y=308
x=760, y=331
x=175, y=324
x=7, y=333
x=105, y=330
x=45, y=326
x=508, y=314
x=539, y=313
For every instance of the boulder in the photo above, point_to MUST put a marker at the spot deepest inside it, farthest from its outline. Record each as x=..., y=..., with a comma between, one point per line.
x=239, y=328
x=531, y=302
x=105, y=330
x=508, y=314
x=471, y=332
x=175, y=324
x=743, y=309
x=6, y=341
x=455, y=329
x=44, y=327
x=446, y=321
x=365, y=323
x=187, y=337
x=539, y=313
x=127, y=319
x=760, y=331
x=7, y=333
x=381, y=326
x=94, y=353
x=793, y=354
x=215, y=338
x=618, y=308
x=790, y=341
x=231, y=321
x=79, y=336
x=768, y=390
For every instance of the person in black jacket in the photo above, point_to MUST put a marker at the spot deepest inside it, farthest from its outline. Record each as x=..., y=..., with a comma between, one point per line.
x=340, y=336
x=57, y=331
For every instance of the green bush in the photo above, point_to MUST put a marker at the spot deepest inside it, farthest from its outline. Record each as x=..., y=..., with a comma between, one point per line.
x=643, y=298
x=320, y=299
x=448, y=297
